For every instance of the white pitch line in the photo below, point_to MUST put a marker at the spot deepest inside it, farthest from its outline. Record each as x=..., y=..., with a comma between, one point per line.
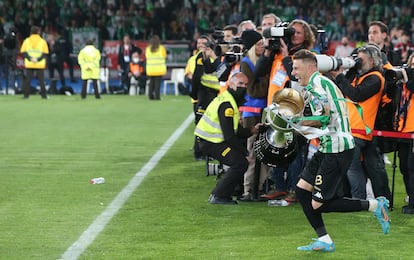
x=89, y=235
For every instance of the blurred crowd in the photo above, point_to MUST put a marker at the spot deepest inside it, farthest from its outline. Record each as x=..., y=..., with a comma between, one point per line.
x=181, y=19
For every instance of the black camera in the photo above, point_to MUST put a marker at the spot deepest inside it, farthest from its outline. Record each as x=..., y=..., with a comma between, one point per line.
x=396, y=74
x=322, y=41
x=10, y=41
x=211, y=44
x=231, y=57
x=218, y=36
x=274, y=34
x=235, y=41
x=234, y=53
x=217, y=39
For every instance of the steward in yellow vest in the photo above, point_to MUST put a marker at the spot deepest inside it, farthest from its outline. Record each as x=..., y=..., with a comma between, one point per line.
x=218, y=133
x=156, y=61
x=156, y=66
x=34, y=49
x=89, y=60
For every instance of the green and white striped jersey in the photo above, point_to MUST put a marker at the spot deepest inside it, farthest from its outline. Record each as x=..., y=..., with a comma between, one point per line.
x=338, y=137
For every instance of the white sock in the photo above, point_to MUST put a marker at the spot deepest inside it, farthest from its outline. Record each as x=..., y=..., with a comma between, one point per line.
x=373, y=204
x=326, y=238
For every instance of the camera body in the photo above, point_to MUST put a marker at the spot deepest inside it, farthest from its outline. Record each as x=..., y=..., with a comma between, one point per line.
x=274, y=34
x=322, y=41
x=234, y=53
x=218, y=36
x=230, y=50
x=396, y=74
x=10, y=41
x=328, y=63
x=232, y=57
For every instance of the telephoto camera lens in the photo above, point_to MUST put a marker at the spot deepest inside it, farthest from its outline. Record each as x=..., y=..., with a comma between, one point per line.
x=213, y=169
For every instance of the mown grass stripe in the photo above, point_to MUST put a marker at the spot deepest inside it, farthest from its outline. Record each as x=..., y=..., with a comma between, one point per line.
x=89, y=235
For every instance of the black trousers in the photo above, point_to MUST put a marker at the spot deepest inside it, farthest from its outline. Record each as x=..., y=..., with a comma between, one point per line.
x=59, y=68
x=95, y=88
x=406, y=156
x=70, y=64
x=154, y=87
x=234, y=159
x=40, y=76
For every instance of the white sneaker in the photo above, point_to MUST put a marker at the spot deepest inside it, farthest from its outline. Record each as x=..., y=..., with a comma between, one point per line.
x=407, y=199
x=386, y=160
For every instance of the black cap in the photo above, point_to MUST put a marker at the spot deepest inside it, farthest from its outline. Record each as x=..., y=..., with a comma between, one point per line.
x=250, y=38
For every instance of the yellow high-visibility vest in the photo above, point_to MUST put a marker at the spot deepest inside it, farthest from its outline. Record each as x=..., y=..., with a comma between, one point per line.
x=35, y=46
x=208, y=128
x=210, y=80
x=156, y=64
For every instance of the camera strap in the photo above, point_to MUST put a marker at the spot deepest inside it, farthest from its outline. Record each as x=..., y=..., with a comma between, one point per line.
x=405, y=107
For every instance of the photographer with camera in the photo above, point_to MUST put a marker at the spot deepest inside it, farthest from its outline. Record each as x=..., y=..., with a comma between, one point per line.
x=378, y=34
x=210, y=71
x=283, y=42
x=364, y=84
x=405, y=147
x=189, y=72
x=205, y=85
x=253, y=48
x=231, y=52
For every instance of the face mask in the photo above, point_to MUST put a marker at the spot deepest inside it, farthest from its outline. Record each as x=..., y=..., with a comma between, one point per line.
x=239, y=94
x=135, y=60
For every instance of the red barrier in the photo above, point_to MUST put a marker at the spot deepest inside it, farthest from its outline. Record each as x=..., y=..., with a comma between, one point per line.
x=383, y=133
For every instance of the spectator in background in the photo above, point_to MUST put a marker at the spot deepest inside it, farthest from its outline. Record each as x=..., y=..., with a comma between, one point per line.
x=102, y=30
x=270, y=20
x=89, y=59
x=34, y=50
x=64, y=36
x=156, y=66
x=56, y=58
x=124, y=58
x=229, y=32
x=403, y=49
x=343, y=49
x=246, y=25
